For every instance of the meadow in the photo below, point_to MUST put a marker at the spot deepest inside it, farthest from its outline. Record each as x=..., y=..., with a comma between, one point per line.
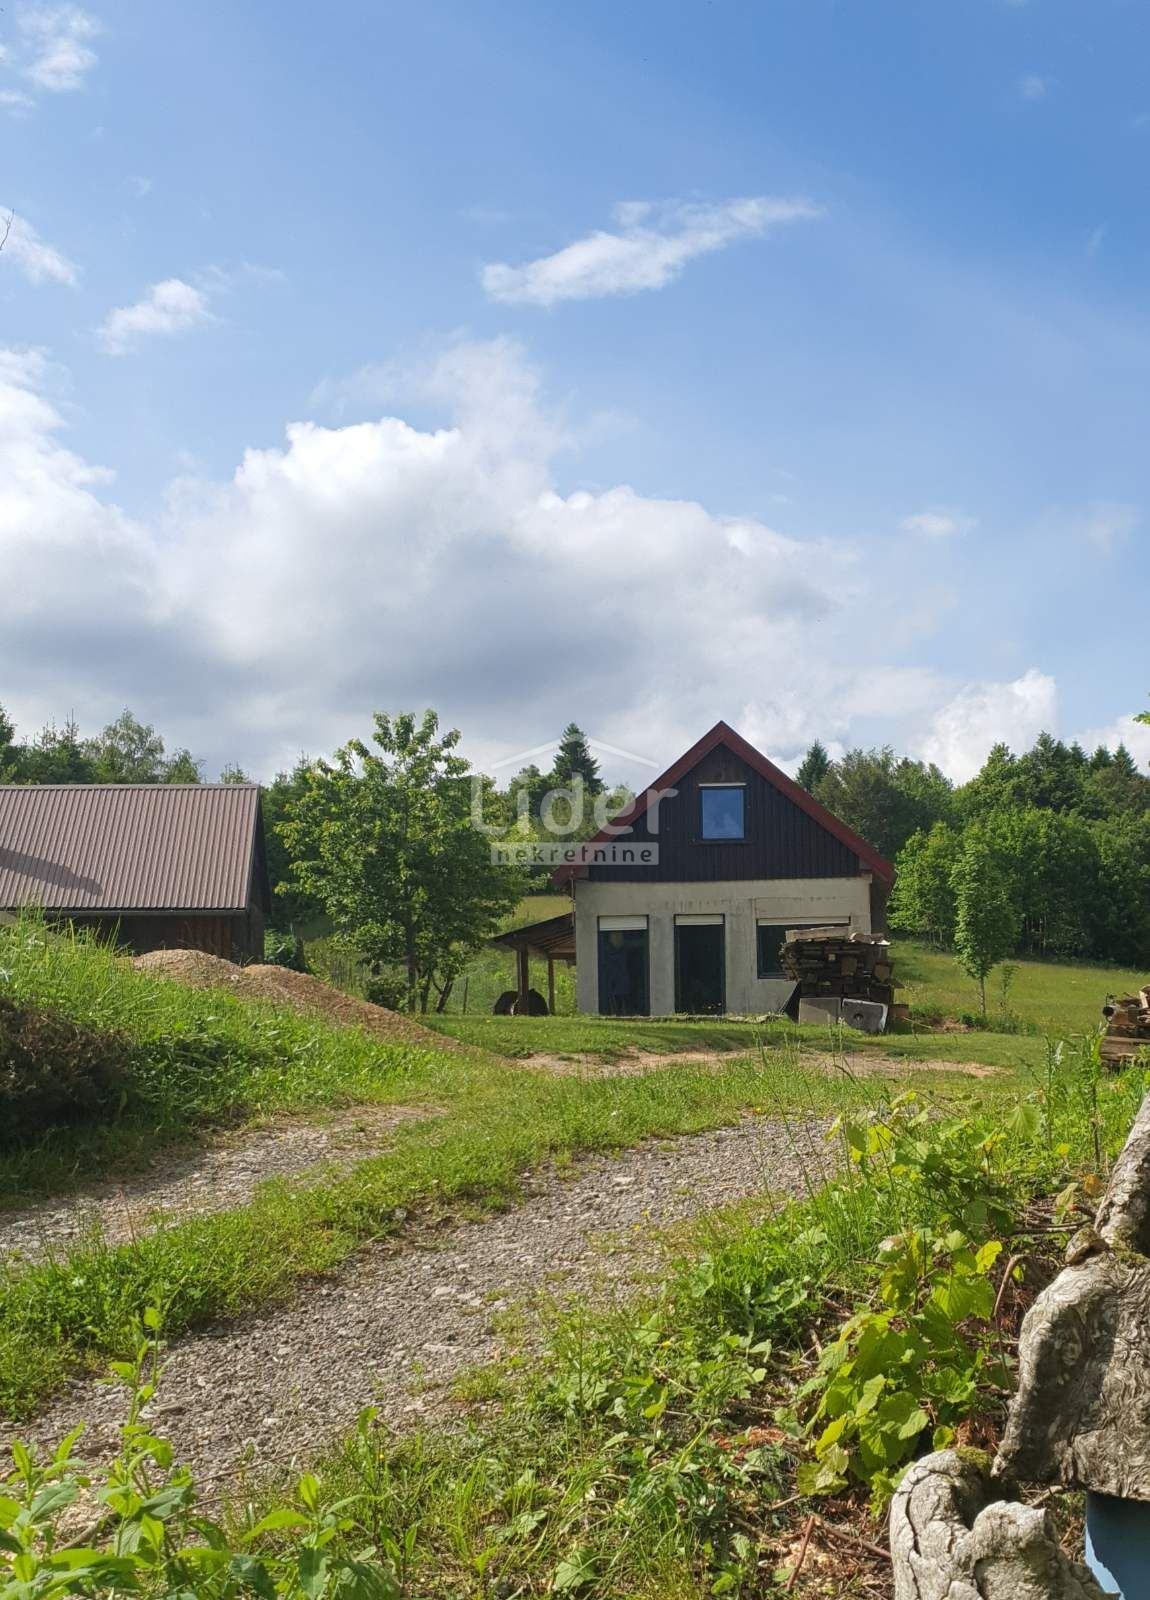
x=676, y=1444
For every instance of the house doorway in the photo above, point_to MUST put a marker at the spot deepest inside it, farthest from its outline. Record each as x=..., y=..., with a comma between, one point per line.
x=700, y=965
x=624, y=987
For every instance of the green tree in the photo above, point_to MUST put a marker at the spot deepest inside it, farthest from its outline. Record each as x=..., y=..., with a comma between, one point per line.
x=56, y=755
x=885, y=798
x=815, y=766
x=127, y=751
x=291, y=906
x=182, y=767
x=986, y=923
x=923, y=898
x=233, y=773
x=384, y=839
x=9, y=750
x=574, y=761
x=1051, y=775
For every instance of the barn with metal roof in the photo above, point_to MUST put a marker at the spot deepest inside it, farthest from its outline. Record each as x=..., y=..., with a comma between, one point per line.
x=158, y=866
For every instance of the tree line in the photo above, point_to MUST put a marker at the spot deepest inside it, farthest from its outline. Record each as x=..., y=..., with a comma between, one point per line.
x=1045, y=853
x=126, y=751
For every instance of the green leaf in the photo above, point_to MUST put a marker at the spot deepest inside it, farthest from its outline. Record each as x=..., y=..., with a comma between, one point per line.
x=988, y=1255
x=284, y=1517
x=312, y=1568
x=253, y=1575
x=575, y=1572
x=52, y=1500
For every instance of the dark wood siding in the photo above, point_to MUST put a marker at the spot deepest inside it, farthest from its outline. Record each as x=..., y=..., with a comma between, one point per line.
x=782, y=841
x=234, y=937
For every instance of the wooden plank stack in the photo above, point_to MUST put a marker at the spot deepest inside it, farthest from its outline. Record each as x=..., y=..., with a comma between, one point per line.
x=1127, y=1026
x=837, y=963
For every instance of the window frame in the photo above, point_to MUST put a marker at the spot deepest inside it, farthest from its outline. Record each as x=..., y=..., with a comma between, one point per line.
x=722, y=838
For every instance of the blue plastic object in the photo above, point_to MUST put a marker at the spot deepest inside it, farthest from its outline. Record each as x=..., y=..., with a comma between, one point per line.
x=1118, y=1545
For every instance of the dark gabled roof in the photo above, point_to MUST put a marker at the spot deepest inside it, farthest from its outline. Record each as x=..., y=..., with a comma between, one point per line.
x=124, y=847
x=722, y=734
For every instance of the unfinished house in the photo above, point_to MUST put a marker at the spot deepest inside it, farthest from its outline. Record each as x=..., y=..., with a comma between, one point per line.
x=737, y=854
x=153, y=866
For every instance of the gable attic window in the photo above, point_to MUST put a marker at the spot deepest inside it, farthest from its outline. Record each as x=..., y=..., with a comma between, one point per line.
x=722, y=810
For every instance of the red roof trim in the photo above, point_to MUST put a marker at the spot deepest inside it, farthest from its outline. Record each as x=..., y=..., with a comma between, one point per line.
x=722, y=734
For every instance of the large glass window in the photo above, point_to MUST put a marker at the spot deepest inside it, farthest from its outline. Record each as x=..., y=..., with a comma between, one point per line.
x=722, y=811
x=771, y=939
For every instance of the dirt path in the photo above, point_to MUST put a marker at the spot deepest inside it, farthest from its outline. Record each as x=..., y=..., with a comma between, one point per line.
x=218, y=1176
x=636, y=1063
x=394, y=1329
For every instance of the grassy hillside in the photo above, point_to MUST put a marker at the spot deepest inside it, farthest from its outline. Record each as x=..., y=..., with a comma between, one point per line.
x=1052, y=996
x=186, y=1059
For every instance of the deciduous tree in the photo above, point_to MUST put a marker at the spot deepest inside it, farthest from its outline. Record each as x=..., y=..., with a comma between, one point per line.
x=384, y=839
x=986, y=923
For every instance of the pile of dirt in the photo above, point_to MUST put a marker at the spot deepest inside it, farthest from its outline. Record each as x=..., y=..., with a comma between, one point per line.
x=283, y=987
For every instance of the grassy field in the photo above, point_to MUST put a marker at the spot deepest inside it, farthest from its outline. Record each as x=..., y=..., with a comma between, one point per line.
x=1043, y=997
x=198, y=1058
x=608, y=1038
x=648, y=1450
x=676, y=1445
x=1052, y=996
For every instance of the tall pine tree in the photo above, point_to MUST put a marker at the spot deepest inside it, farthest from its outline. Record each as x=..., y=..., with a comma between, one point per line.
x=816, y=765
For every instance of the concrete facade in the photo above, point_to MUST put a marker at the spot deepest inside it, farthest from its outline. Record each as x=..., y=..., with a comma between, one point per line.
x=789, y=902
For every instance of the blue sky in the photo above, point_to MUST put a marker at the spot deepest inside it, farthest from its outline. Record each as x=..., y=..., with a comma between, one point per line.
x=785, y=362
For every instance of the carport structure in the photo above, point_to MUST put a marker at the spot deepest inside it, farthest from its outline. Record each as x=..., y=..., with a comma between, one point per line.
x=551, y=940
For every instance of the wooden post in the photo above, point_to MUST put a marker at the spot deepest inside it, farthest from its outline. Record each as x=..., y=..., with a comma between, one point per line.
x=523, y=971
x=551, y=984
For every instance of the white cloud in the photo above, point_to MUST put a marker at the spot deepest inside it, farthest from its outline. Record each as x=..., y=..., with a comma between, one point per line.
x=443, y=566
x=1106, y=524
x=56, y=45
x=15, y=101
x=1123, y=730
x=938, y=523
x=139, y=186
x=170, y=307
x=34, y=257
x=1033, y=86
x=984, y=714
x=652, y=245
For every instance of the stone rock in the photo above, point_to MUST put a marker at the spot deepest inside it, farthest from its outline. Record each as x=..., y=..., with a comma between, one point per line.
x=1082, y=1413
x=950, y=1540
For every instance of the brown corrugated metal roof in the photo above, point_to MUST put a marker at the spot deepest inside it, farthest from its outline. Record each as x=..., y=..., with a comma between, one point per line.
x=127, y=846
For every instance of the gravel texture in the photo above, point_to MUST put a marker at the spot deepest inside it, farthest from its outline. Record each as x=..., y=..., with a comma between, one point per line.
x=393, y=1328
x=216, y=1177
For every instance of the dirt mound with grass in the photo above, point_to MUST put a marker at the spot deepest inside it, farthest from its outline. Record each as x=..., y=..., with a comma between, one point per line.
x=283, y=987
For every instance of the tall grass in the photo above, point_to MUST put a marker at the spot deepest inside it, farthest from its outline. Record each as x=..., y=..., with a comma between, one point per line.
x=192, y=1058
x=631, y=1457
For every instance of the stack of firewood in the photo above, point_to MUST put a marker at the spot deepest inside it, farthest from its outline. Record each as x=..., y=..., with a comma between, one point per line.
x=835, y=962
x=1127, y=1026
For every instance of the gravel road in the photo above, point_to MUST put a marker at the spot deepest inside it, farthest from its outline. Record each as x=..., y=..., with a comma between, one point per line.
x=215, y=1177
x=393, y=1328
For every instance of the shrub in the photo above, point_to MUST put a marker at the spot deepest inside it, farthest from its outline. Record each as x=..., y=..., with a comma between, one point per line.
x=150, y=1538
x=54, y=1071
x=283, y=948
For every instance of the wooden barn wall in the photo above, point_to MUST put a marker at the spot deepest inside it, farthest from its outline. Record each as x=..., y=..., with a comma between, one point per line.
x=781, y=841
x=235, y=938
